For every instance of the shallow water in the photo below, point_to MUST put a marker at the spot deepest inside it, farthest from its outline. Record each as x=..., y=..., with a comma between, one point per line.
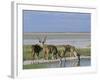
x=69, y=63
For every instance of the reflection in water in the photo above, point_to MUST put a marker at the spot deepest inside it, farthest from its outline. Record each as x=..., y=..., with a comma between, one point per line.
x=67, y=63
x=78, y=63
x=70, y=63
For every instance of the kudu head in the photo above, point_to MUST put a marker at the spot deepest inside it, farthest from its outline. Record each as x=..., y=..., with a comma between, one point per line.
x=42, y=41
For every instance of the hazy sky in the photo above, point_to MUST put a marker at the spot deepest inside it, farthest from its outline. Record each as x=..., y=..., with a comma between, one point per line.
x=45, y=21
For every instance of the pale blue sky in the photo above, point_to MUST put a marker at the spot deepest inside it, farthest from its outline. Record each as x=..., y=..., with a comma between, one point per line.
x=46, y=21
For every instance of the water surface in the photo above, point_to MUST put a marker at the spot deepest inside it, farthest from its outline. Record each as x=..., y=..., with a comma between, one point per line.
x=70, y=63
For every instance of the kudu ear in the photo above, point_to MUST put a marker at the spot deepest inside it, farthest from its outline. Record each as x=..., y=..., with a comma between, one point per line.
x=39, y=39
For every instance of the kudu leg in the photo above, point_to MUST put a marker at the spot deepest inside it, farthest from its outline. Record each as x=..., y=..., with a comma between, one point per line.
x=76, y=55
x=52, y=56
x=46, y=56
x=33, y=57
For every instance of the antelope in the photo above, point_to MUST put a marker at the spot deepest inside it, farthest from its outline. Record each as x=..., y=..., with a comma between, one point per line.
x=73, y=51
x=48, y=49
x=69, y=49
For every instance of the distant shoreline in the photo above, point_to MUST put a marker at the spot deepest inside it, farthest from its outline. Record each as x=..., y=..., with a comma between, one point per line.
x=55, y=33
x=58, y=38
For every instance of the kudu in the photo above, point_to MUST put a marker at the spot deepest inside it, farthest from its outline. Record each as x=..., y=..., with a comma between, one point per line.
x=69, y=49
x=45, y=48
x=48, y=49
x=73, y=51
